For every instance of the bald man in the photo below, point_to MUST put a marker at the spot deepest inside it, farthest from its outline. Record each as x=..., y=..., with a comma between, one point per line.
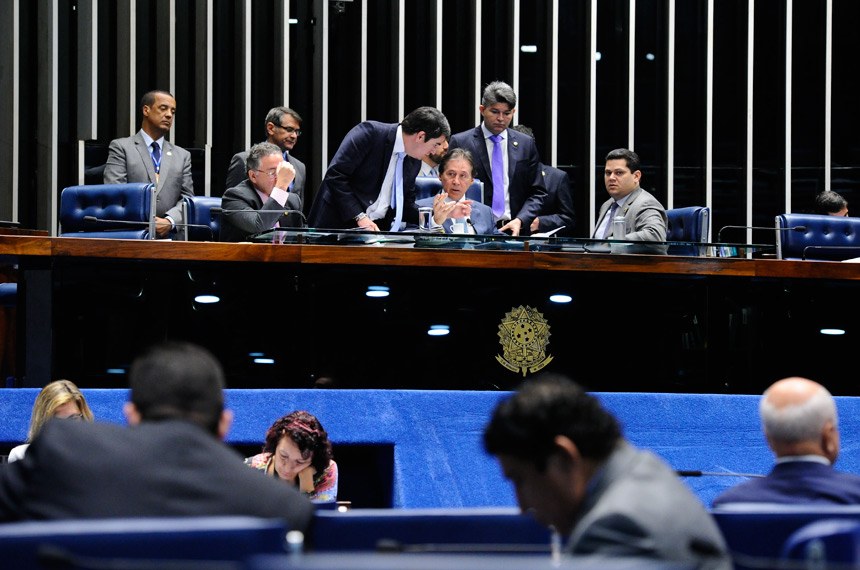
x=799, y=420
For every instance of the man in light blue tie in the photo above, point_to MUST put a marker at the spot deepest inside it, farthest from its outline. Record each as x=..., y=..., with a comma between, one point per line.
x=148, y=156
x=506, y=161
x=370, y=181
x=283, y=128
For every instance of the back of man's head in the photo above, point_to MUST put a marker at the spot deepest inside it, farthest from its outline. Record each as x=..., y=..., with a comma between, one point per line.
x=428, y=119
x=178, y=380
x=795, y=412
x=526, y=424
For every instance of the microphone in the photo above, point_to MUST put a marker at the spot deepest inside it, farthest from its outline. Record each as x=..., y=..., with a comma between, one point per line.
x=93, y=219
x=791, y=229
x=280, y=212
x=697, y=473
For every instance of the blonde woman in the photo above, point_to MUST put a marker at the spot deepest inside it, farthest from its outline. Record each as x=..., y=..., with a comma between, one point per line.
x=60, y=399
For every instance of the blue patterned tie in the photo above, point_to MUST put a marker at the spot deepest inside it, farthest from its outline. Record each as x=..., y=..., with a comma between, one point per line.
x=397, y=192
x=156, y=157
x=610, y=215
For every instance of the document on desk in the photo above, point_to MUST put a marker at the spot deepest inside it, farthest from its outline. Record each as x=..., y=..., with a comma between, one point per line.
x=547, y=234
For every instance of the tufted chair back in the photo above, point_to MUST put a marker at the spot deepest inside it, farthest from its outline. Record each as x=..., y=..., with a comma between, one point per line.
x=427, y=186
x=688, y=224
x=203, y=211
x=818, y=237
x=121, y=211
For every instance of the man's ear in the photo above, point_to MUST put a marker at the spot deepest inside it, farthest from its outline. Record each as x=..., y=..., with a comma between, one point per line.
x=567, y=453
x=224, y=423
x=420, y=136
x=131, y=413
x=830, y=441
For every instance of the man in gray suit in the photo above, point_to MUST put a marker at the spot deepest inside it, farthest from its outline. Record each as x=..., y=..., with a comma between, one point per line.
x=148, y=157
x=644, y=216
x=573, y=470
x=283, y=127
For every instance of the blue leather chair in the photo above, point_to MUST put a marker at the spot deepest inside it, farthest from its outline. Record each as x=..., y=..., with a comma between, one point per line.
x=202, y=211
x=115, y=543
x=8, y=294
x=824, y=543
x=120, y=211
x=817, y=237
x=427, y=186
x=691, y=224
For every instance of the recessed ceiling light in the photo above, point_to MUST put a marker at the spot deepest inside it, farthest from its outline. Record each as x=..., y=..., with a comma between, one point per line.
x=207, y=299
x=377, y=291
x=438, y=330
x=832, y=332
x=560, y=298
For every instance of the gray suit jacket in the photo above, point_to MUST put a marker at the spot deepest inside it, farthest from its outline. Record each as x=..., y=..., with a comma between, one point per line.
x=643, y=213
x=241, y=226
x=237, y=173
x=129, y=161
x=482, y=217
x=637, y=506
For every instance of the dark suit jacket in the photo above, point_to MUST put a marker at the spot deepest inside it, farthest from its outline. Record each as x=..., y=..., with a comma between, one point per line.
x=168, y=468
x=637, y=506
x=355, y=175
x=482, y=217
x=240, y=226
x=129, y=161
x=525, y=183
x=237, y=173
x=797, y=482
x=557, y=207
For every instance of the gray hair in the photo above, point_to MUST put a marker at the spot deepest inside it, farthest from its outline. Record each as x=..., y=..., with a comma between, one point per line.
x=799, y=422
x=258, y=152
x=499, y=92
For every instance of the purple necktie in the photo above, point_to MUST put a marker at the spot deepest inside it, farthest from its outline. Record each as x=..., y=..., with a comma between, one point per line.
x=610, y=215
x=498, y=177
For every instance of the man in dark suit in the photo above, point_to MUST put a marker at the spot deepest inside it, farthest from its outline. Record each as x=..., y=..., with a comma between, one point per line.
x=168, y=462
x=148, y=157
x=283, y=127
x=557, y=209
x=516, y=190
x=359, y=188
x=573, y=470
x=800, y=423
x=261, y=200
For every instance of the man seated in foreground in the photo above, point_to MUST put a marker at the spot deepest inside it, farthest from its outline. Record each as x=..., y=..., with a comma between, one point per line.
x=167, y=463
x=800, y=423
x=574, y=471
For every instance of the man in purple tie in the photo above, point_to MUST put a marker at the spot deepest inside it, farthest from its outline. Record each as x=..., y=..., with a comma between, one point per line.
x=506, y=161
x=147, y=156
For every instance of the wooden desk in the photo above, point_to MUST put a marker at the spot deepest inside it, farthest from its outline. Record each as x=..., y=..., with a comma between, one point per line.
x=650, y=323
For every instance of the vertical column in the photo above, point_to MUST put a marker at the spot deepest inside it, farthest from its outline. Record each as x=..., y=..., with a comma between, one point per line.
x=709, y=110
x=437, y=31
x=320, y=78
x=592, y=113
x=670, y=108
x=401, y=56
x=203, y=87
x=244, y=99
x=552, y=156
x=46, y=120
x=87, y=70
x=828, y=92
x=477, y=40
x=9, y=110
x=515, y=49
x=787, y=149
x=282, y=51
x=749, y=124
x=631, y=76
x=126, y=68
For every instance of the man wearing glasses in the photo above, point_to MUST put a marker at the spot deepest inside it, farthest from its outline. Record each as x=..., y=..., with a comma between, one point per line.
x=283, y=127
x=263, y=200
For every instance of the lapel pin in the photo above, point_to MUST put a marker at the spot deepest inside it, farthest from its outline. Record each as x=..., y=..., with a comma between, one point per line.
x=516, y=143
x=169, y=153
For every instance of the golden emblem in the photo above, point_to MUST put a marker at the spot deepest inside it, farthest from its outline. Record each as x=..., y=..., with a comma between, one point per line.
x=524, y=336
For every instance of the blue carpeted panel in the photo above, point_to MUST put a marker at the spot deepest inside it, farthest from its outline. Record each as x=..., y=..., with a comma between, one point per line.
x=439, y=459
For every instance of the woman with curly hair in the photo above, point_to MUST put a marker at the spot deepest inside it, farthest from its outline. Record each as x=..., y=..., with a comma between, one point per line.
x=297, y=450
x=60, y=399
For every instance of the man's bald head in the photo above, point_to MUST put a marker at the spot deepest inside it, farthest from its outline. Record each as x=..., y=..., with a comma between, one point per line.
x=799, y=418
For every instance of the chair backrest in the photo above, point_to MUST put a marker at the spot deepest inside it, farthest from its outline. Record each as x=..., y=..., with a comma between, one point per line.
x=692, y=224
x=199, y=212
x=825, y=542
x=817, y=236
x=95, y=542
x=107, y=210
x=427, y=186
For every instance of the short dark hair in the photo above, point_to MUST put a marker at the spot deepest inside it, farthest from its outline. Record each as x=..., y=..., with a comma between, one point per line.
x=149, y=97
x=258, y=152
x=178, y=380
x=275, y=115
x=829, y=202
x=629, y=156
x=457, y=153
x=526, y=424
x=427, y=119
x=524, y=130
x=499, y=92
x=307, y=433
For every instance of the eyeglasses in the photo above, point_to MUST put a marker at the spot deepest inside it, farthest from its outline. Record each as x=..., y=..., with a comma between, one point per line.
x=451, y=175
x=270, y=173
x=290, y=130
